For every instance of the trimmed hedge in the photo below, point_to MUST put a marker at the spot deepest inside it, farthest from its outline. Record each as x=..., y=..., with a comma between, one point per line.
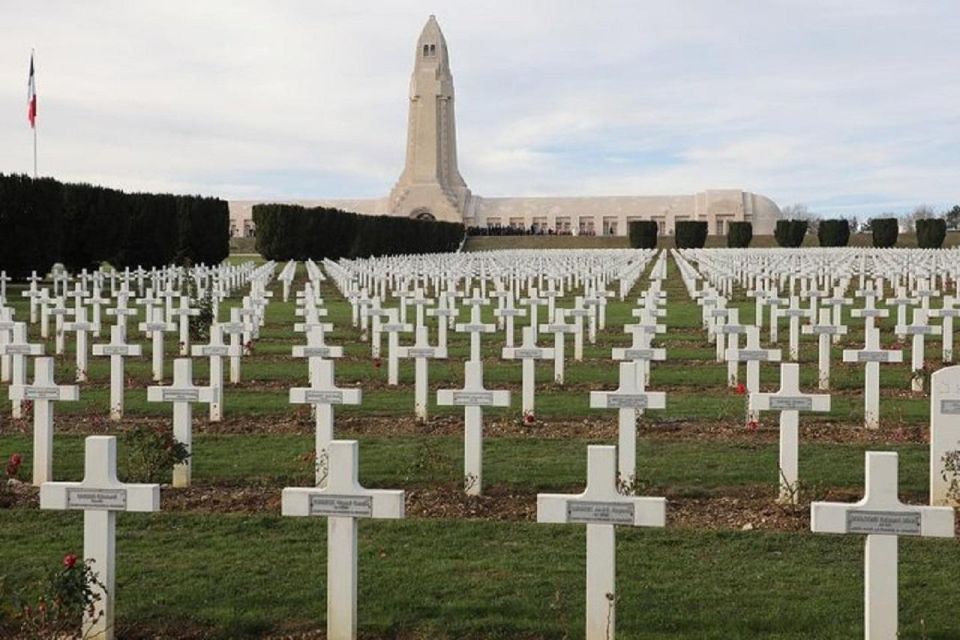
x=643, y=234
x=44, y=221
x=885, y=232
x=790, y=233
x=690, y=234
x=833, y=233
x=286, y=232
x=931, y=233
x=739, y=234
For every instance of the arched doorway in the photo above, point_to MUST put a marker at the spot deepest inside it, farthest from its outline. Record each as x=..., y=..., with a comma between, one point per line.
x=422, y=214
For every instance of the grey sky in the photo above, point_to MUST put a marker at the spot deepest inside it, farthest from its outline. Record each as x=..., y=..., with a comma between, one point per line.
x=848, y=106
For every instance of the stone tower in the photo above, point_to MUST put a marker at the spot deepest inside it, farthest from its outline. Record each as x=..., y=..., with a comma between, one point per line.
x=430, y=185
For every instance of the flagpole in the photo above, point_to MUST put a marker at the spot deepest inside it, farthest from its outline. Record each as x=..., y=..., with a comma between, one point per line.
x=33, y=58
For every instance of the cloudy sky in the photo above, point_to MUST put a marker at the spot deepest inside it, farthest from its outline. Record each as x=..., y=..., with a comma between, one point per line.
x=850, y=106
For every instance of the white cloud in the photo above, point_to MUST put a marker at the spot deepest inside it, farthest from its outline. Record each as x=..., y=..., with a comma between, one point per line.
x=821, y=102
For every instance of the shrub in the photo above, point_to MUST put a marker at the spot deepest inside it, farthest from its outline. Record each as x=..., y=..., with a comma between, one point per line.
x=931, y=233
x=643, y=234
x=790, y=233
x=739, y=234
x=150, y=453
x=690, y=234
x=885, y=232
x=833, y=233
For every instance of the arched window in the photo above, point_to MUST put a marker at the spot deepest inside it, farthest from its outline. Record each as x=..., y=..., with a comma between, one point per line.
x=426, y=50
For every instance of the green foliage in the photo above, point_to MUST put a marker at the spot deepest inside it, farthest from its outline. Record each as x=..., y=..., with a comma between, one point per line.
x=691, y=234
x=150, y=453
x=287, y=232
x=643, y=234
x=885, y=232
x=931, y=233
x=739, y=234
x=81, y=225
x=833, y=233
x=952, y=218
x=790, y=233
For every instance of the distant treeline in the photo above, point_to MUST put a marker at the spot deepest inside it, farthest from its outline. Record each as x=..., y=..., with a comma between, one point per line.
x=44, y=221
x=286, y=232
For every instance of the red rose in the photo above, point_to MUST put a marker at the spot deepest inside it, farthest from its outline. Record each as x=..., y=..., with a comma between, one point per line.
x=16, y=459
x=376, y=363
x=741, y=388
x=529, y=418
x=753, y=425
x=69, y=560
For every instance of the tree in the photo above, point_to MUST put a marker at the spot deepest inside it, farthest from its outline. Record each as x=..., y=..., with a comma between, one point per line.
x=952, y=218
x=908, y=222
x=800, y=211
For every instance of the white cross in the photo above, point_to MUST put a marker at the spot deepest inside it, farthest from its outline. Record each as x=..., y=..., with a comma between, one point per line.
x=6, y=334
x=323, y=394
x=506, y=314
x=182, y=393
x=117, y=350
x=18, y=349
x=421, y=351
x=558, y=329
x=872, y=355
x=883, y=518
x=59, y=312
x=789, y=401
x=81, y=327
x=795, y=312
x=601, y=507
x=236, y=328
x=216, y=350
x=869, y=312
x=475, y=327
x=43, y=393
x=944, y=435
x=342, y=502
x=753, y=355
x=122, y=312
x=315, y=349
x=155, y=328
x=473, y=397
x=948, y=312
x=837, y=302
x=919, y=329
x=901, y=301
x=731, y=327
x=578, y=313
x=184, y=313
x=630, y=399
x=824, y=330
x=529, y=352
x=100, y=495
x=534, y=302
x=443, y=313
x=393, y=327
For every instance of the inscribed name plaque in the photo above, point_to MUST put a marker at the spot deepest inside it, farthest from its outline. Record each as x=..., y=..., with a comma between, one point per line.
x=462, y=398
x=350, y=506
x=41, y=393
x=638, y=354
x=113, y=350
x=791, y=404
x=746, y=354
x=626, y=401
x=106, y=499
x=528, y=353
x=894, y=523
x=214, y=351
x=18, y=350
x=420, y=352
x=950, y=407
x=872, y=356
x=181, y=395
x=600, y=512
x=323, y=397
x=316, y=352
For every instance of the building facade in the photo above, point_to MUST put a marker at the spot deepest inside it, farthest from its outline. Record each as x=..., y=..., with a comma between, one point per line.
x=431, y=187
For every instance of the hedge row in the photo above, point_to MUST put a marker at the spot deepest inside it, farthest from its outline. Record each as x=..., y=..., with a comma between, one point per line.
x=739, y=234
x=931, y=233
x=885, y=231
x=790, y=233
x=833, y=233
x=643, y=234
x=286, y=232
x=690, y=234
x=44, y=221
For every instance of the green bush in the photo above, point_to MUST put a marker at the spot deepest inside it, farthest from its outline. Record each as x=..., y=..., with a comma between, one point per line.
x=690, y=234
x=286, y=232
x=643, y=234
x=44, y=221
x=833, y=233
x=885, y=232
x=739, y=234
x=931, y=233
x=790, y=233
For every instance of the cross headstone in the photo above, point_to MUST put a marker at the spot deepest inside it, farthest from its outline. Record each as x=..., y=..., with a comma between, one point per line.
x=558, y=328
x=236, y=329
x=789, y=401
x=630, y=400
x=919, y=329
x=473, y=398
x=81, y=327
x=753, y=355
x=100, y=495
x=183, y=313
x=18, y=349
x=155, y=328
x=824, y=330
x=117, y=350
x=393, y=327
x=529, y=353
x=948, y=312
x=323, y=394
x=872, y=355
x=944, y=436
x=216, y=350
x=183, y=394
x=795, y=312
x=883, y=518
x=421, y=352
x=475, y=327
x=342, y=502
x=601, y=507
x=43, y=393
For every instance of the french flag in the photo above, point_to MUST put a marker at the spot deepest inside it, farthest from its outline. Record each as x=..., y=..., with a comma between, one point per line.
x=32, y=97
